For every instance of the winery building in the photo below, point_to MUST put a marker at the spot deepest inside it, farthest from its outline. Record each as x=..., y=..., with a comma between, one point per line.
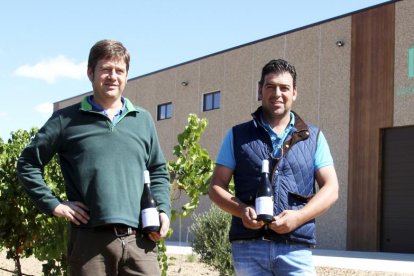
x=355, y=81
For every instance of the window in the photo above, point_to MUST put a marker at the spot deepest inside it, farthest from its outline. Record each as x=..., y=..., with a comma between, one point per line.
x=164, y=111
x=211, y=101
x=258, y=97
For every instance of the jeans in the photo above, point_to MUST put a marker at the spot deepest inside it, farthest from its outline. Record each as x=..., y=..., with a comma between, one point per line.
x=262, y=257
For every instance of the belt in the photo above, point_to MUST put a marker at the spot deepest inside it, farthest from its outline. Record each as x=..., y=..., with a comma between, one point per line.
x=284, y=241
x=120, y=230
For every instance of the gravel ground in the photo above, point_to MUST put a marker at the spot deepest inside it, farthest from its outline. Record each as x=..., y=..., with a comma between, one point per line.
x=329, y=271
x=182, y=265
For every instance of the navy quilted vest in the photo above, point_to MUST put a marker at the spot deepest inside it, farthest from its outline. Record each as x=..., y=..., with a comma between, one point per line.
x=293, y=177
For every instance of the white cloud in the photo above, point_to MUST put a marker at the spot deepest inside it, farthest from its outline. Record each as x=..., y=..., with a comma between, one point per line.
x=51, y=69
x=3, y=115
x=45, y=109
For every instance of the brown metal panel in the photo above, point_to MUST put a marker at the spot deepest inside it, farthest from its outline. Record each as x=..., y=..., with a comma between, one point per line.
x=371, y=108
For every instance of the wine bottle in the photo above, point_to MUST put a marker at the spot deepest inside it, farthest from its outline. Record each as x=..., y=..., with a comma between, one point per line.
x=264, y=196
x=149, y=213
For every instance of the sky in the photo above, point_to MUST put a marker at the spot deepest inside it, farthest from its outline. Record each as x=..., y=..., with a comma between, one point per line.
x=45, y=44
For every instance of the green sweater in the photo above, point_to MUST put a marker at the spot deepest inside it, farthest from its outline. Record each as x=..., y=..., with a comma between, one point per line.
x=102, y=163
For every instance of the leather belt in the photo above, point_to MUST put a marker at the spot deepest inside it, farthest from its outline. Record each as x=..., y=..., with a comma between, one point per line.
x=119, y=230
x=284, y=241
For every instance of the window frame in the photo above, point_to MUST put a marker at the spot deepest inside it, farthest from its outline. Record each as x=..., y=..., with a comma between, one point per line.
x=162, y=111
x=210, y=101
x=258, y=97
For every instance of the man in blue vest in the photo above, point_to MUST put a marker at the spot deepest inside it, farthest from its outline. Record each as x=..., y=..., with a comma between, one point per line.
x=299, y=155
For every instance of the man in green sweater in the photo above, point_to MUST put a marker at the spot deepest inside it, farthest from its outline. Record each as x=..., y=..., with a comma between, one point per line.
x=104, y=144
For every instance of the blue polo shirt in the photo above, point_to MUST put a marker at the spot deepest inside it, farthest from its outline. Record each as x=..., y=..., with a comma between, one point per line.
x=99, y=109
x=322, y=157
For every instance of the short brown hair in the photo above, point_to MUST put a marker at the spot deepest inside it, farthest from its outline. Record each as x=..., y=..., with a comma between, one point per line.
x=105, y=49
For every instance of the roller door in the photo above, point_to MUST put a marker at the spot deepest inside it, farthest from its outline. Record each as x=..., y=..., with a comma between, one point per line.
x=397, y=193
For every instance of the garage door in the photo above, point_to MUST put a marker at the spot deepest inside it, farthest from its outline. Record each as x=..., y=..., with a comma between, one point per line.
x=397, y=204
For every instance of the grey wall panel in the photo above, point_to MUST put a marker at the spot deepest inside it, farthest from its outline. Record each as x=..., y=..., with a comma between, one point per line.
x=404, y=85
x=212, y=80
x=333, y=119
x=239, y=89
x=303, y=51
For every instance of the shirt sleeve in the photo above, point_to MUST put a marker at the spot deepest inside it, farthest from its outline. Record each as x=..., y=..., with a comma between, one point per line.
x=323, y=155
x=225, y=156
x=160, y=178
x=32, y=161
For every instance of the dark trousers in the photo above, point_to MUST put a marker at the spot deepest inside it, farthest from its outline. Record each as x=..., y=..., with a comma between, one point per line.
x=93, y=252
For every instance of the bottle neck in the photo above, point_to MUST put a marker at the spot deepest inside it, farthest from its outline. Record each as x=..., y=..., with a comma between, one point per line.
x=266, y=174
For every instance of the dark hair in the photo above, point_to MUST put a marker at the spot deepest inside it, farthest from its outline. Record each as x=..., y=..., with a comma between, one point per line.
x=278, y=66
x=105, y=49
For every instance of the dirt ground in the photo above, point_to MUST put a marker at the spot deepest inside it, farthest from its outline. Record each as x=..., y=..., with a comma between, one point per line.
x=179, y=265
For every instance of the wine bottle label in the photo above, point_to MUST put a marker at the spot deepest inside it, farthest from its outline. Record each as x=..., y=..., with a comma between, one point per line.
x=150, y=217
x=264, y=205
